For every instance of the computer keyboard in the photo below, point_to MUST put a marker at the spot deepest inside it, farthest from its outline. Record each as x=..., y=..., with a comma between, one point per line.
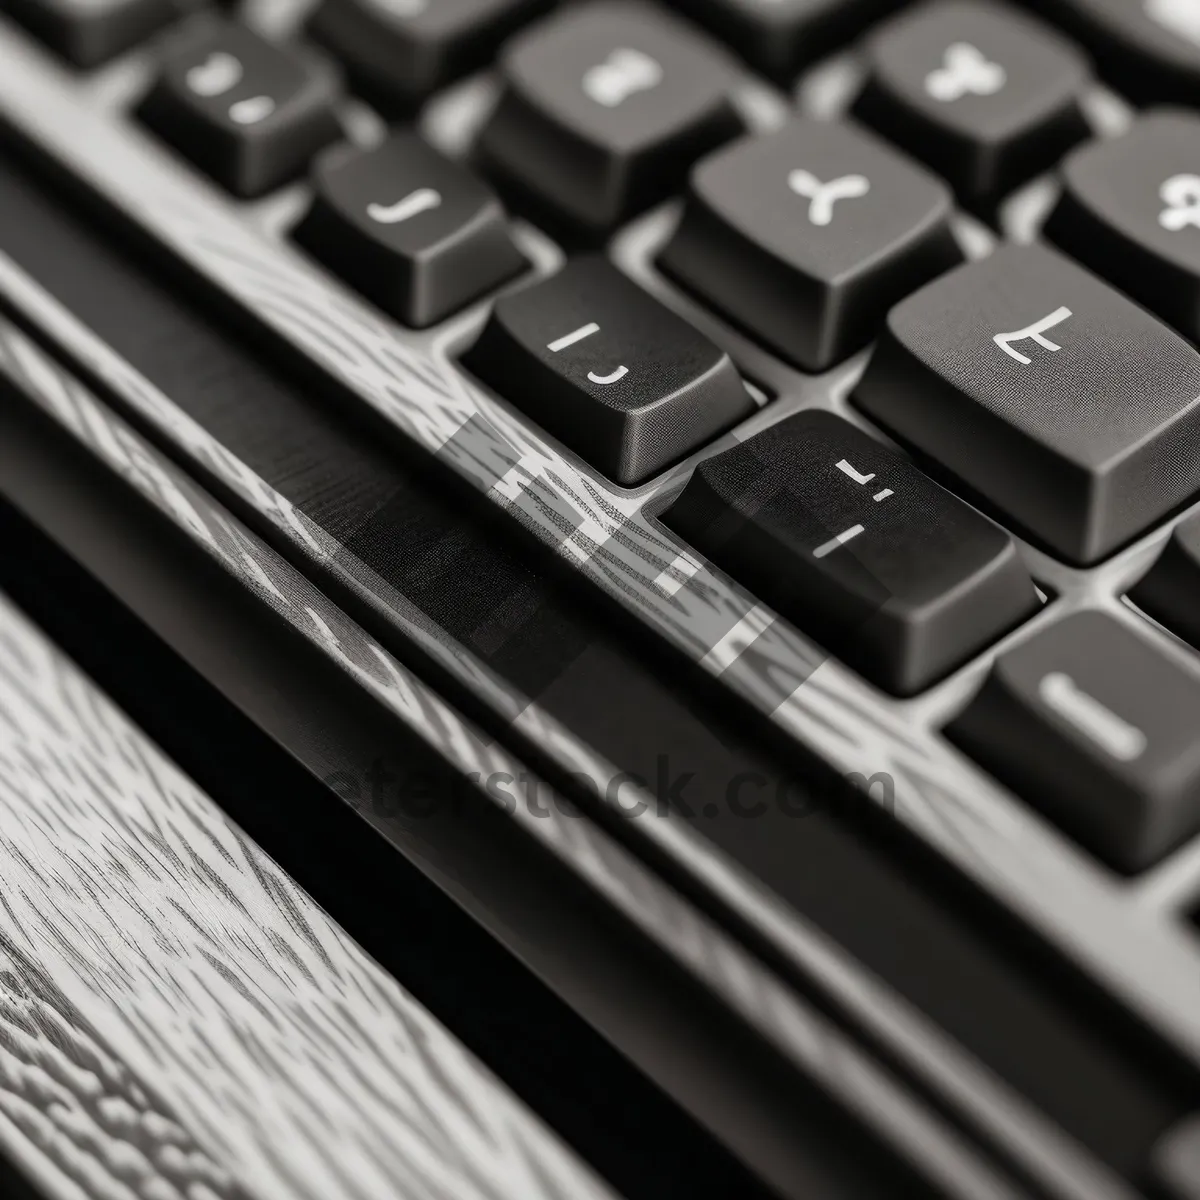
x=781, y=370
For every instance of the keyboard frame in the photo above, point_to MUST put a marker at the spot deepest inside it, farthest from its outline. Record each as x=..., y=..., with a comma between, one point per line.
x=1130, y=934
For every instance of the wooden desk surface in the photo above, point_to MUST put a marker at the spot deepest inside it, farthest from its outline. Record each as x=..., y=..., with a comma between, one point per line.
x=179, y=1020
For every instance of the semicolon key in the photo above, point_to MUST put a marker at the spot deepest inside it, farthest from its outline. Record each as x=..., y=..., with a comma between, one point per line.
x=610, y=371
x=416, y=233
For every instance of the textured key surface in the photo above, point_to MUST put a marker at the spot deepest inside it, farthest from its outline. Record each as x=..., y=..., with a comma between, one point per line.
x=248, y=112
x=604, y=109
x=90, y=32
x=857, y=547
x=396, y=52
x=1095, y=726
x=604, y=366
x=778, y=36
x=417, y=233
x=1068, y=407
x=806, y=237
x=1150, y=48
x=985, y=96
x=1130, y=210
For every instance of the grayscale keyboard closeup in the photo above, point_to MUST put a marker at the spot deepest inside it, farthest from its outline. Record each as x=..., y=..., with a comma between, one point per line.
x=705, y=396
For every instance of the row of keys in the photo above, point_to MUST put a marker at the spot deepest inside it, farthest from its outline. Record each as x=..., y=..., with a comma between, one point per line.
x=605, y=106
x=417, y=234
x=398, y=52
x=591, y=136
x=1082, y=448
x=1086, y=719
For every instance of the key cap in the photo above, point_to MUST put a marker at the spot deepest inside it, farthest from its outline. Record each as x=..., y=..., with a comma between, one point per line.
x=417, y=233
x=1097, y=728
x=398, y=52
x=1130, y=210
x=90, y=32
x=604, y=109
x=1046, y=393
x=606, y=368
x=249, y=113
x=807, y=236
x=1150, y=49
x=1170, y=590
x=778, y=37
x=848, y=540
x=986, y=96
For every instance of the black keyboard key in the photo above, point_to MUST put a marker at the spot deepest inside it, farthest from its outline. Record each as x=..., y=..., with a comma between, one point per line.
x=604, y=109
x=606, y=368
x=1097, y=728
x=1170, y=590
x=806, y=237
x=1130, y=210
x=780, y=36
x=415, y=232
x=398, y=52
x=249, y=113
x=90, y=32
x=847, y=539
x=984, y=95
x=1046, y=392
x=1148, y=48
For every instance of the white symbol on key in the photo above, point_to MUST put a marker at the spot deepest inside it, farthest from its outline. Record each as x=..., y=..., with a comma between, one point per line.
x=965, y=71
x=422, y=200
x=624, y=73
x=823, y=196
x=1181, y=195
x=842, y=538
x=847, y=469
x=1110, y=732
x=215, y=76
x=577, y=335
x=1181, y=17
x=611, y=377
x=252, y=110
x=1034, y=331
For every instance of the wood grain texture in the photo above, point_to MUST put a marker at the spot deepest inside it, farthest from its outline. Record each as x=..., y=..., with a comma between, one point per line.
x=414, y=385
x=178, y=1020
